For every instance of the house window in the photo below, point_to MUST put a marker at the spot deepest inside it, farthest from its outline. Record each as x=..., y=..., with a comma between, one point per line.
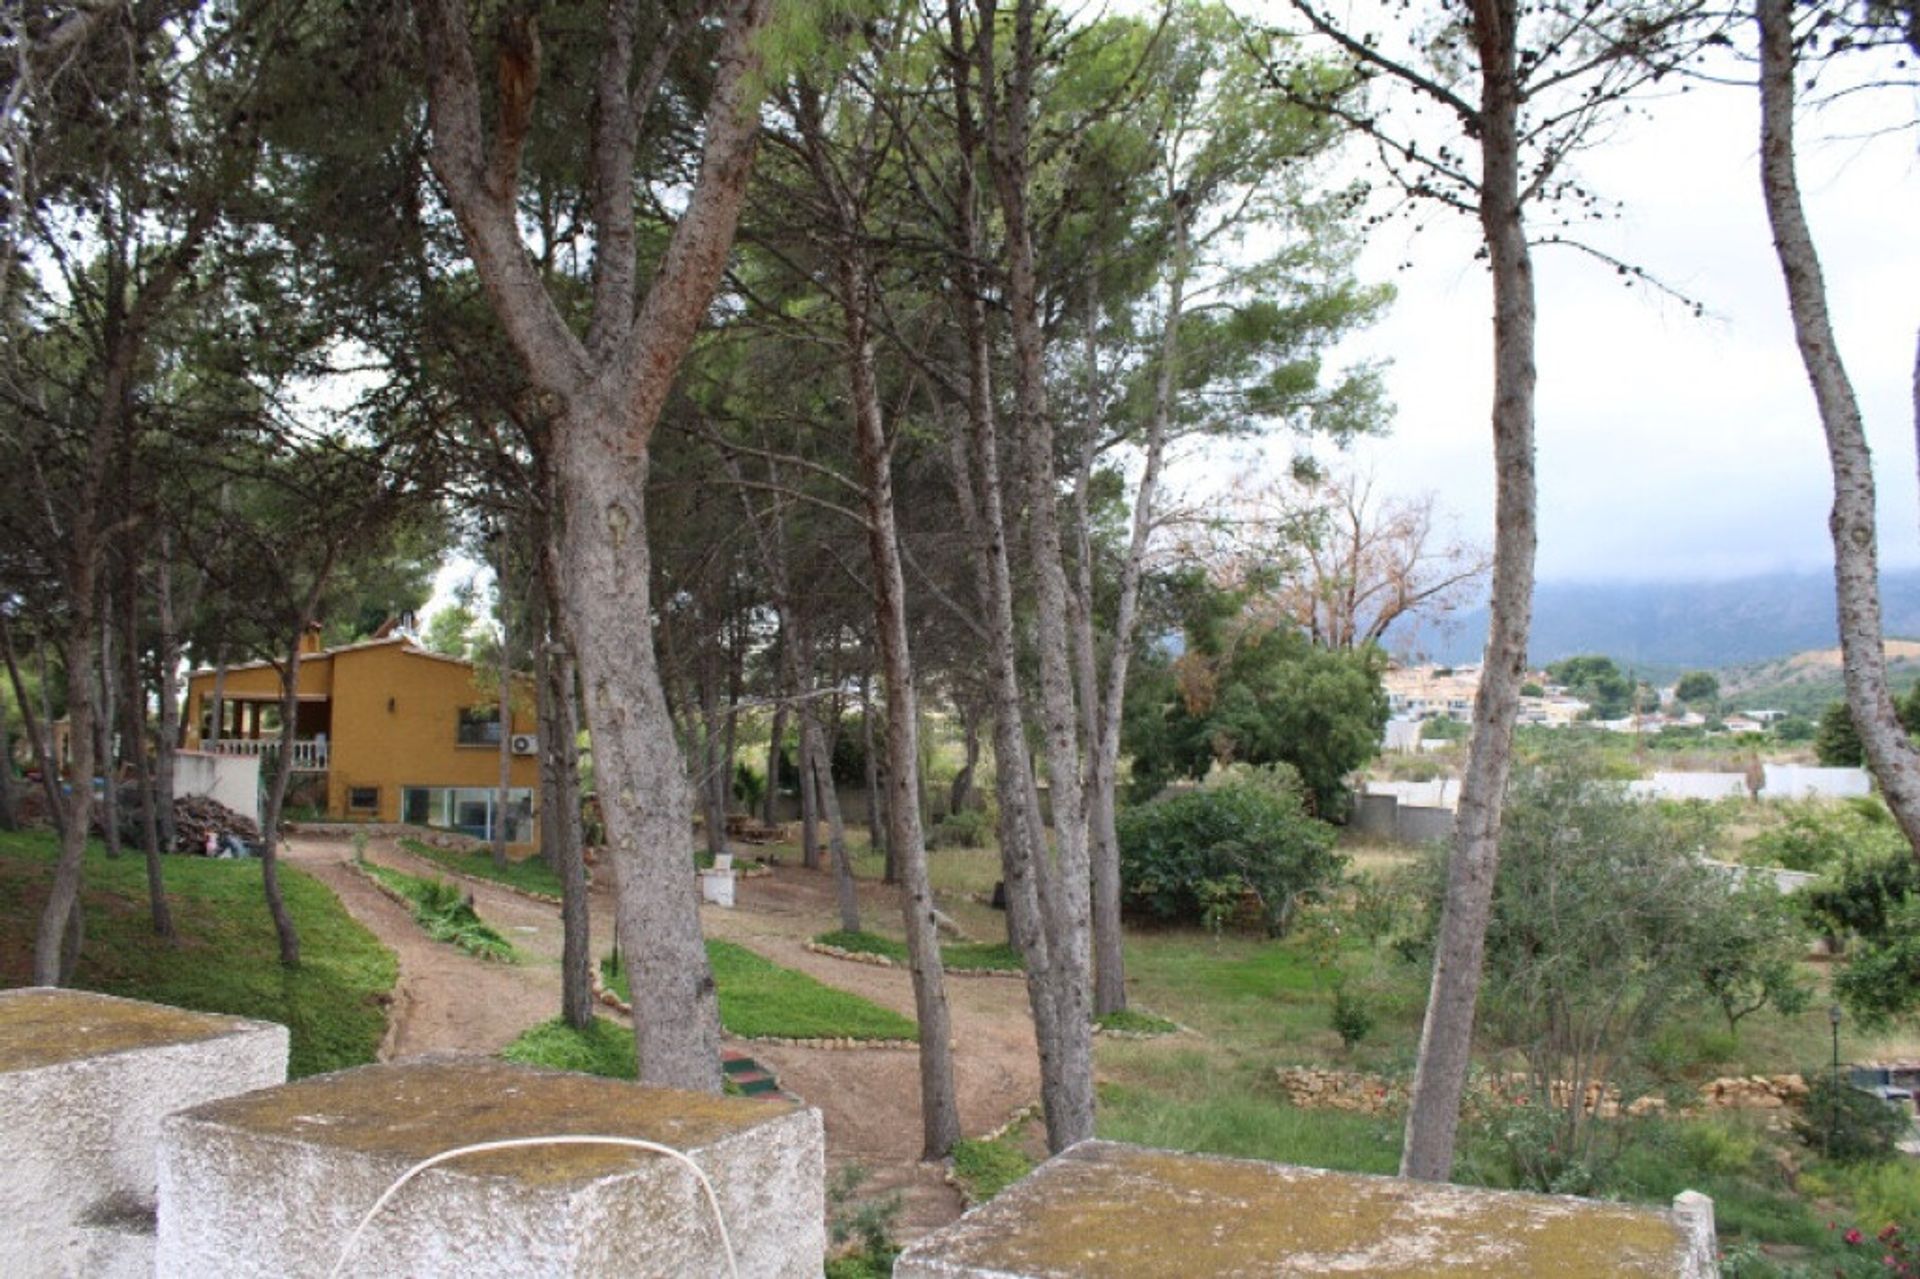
x=363, y=799
x=479, y=726
x=470, y=810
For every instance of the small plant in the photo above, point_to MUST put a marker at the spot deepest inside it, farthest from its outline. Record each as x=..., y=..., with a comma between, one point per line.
x=360, y=842
x=985, y=1168
x=968, y=828
x=861, y=1230
x=1129, y=1022
x=447, y=914
x=1352, y=1020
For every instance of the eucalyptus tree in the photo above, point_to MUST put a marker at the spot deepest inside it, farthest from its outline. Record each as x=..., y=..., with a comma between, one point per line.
x=1520, y=88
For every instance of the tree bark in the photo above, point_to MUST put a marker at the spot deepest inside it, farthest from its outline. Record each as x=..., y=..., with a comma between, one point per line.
x=166, y=686
x=1446, y=1035
x=136, y=749
x=776, y=735
x=1856, y=567
x=845, y=893
x=63, y=901
x=1065, y=885
x=560, y=787
x=939, y=1109
x=611, y=389
x=43, y=755
x=103, y=735
x=8, y=821
x=498, y=844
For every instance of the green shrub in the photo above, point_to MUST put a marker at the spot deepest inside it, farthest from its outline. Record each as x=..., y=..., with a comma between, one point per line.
x=1245, y=842
x=968, y=828
x=1884, y=1192
x=985, y=1168
x=1719, y=1146
x=1820, y=837
x=603, y=1048
x=1351, y=1017
x=1846, y=1124
x=1128, y=1021
x=446, y=914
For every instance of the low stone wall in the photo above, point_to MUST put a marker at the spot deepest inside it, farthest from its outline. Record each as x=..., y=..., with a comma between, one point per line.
x=1311, y=1088
x=1102, y=1210
x=85, y=1082
x=278, y=1182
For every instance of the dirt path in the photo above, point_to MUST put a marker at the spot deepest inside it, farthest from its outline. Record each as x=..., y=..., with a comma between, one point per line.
x=445, y=1000
x=869, y=1099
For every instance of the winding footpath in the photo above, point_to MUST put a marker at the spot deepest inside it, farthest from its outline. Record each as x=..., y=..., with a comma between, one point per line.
x=869, y=1099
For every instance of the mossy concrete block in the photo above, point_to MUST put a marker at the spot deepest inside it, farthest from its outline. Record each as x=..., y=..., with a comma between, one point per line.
x=274, y=1183
x=85, y=1080
x=1127, y=1212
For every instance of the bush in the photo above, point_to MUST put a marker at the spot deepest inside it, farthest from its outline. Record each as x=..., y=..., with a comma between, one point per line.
x=1818, y=836
x=1845, y=1123
x=968, y=828
x=1242, y=843
x=1351, y=1017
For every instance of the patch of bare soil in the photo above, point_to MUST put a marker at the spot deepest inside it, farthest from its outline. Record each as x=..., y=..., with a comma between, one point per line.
x=869, y=1099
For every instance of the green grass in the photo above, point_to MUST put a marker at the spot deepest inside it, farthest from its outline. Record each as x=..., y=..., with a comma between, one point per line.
x=1191, y=1099
x=603, y=1048
x=759, y=999
x=228, y=957
x=528, y=873
x=1127, y=1021
x=985, y=1168
x=972, y=956
x=444, y=912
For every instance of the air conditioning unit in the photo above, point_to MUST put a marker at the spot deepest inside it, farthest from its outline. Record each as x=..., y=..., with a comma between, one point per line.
x=525, y=744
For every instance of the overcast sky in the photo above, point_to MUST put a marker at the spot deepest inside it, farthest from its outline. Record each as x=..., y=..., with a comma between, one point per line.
x=1669, y=446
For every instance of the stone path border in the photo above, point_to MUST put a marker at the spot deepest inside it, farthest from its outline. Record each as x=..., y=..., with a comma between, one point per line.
x=884, y=961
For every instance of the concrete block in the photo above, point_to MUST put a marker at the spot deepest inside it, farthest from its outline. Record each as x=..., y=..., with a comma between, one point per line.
x=274, y=1183
x=85, y=1080
x=1127, y=1212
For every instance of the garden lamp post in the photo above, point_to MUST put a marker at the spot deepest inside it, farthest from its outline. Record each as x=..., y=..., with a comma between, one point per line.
x=1833, y=1101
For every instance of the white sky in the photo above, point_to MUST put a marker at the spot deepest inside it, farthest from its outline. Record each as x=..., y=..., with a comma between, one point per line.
x=1670, y=447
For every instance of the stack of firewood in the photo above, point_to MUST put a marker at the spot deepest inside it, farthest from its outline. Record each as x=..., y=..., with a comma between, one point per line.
x=195, y=815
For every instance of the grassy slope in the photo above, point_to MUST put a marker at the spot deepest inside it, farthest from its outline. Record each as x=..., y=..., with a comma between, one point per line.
x=759, y=999
x=227, y=961
x=529, y=873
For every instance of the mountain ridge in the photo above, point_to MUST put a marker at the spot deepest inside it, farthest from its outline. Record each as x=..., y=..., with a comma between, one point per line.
x=1708, y=625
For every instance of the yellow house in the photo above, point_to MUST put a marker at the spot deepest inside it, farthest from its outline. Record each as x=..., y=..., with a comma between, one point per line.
x=398, y=734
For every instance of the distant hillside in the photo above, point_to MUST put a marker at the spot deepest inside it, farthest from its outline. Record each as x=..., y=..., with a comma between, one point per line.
x=1807, y=683
x=1667, y=626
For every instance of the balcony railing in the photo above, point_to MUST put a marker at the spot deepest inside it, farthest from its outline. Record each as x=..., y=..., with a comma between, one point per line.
x=308, y=756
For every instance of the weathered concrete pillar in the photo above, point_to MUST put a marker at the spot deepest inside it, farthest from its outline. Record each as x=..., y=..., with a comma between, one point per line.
x=85, y=1080
x=1126, y=1212
x=276, y=1182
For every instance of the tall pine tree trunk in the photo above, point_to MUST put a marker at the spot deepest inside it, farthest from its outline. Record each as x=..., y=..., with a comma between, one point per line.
x=1446, y=1035
x=497, y=845
x=103, y=734
x=136, y=748
x=641, y=778
x=560, y=789
x=1065, y=892
x=167, y=688
x=939, y=1109
x=1856, y=565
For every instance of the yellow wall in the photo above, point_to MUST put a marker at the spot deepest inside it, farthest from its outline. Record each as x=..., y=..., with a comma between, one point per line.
x=395, y=721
